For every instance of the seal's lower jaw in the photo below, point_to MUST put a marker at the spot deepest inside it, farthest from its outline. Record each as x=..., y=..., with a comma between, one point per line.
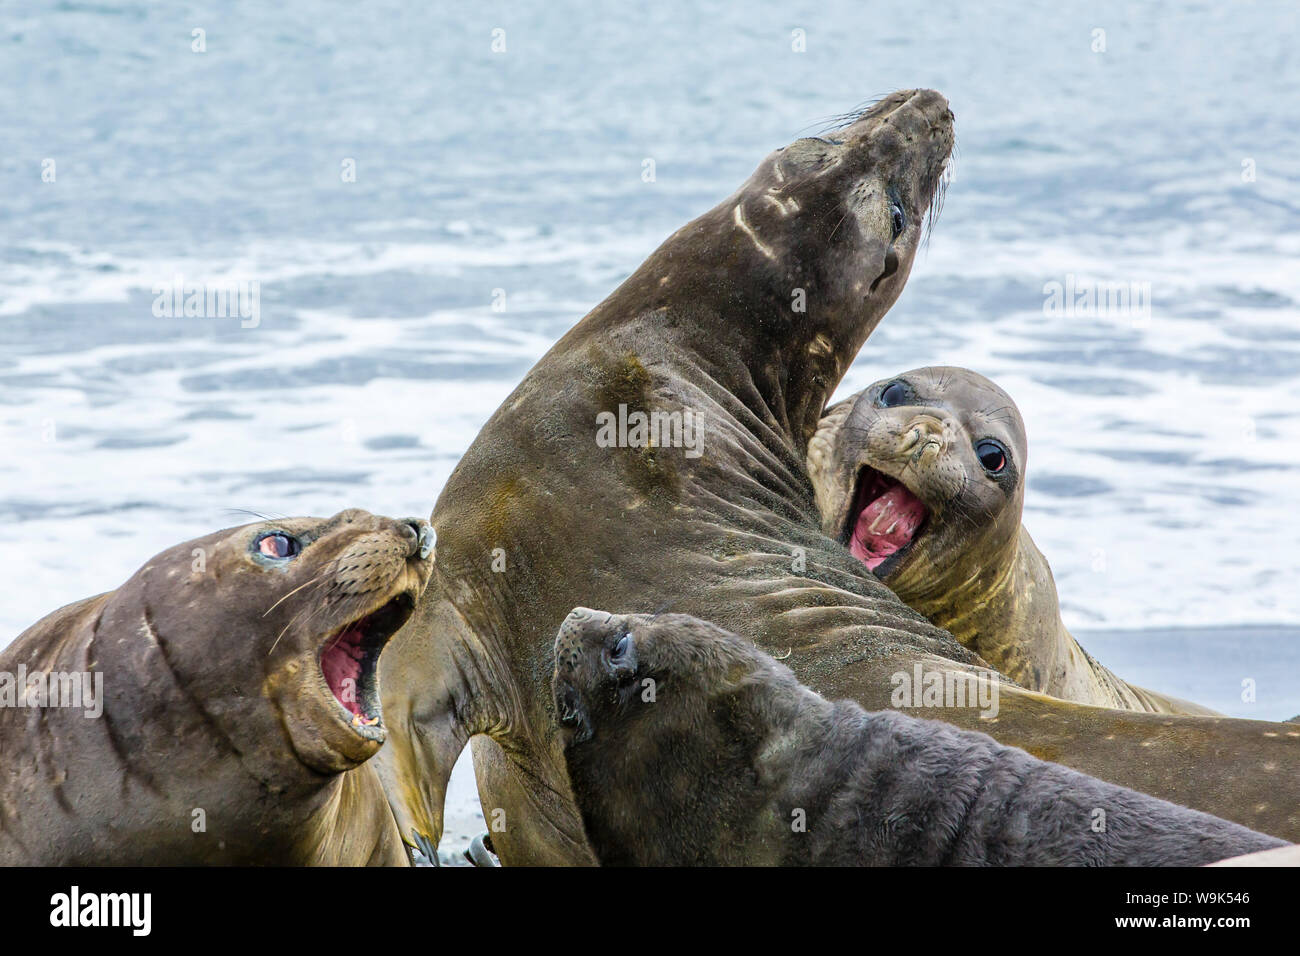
x=578, y=646
x=329, y=693
x=884, y=521
x=571, y=712
x=349, y=662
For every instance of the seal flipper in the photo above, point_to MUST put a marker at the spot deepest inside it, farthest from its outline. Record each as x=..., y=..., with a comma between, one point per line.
x=422, y=845
x=480, y=851
x=421, y=683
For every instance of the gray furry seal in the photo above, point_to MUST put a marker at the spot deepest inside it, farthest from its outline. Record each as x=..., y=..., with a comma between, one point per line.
x=686, y=745
x=234, y=703
x=922, y=476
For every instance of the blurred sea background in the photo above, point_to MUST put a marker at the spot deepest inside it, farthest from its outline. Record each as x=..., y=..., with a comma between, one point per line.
x=1162, y=153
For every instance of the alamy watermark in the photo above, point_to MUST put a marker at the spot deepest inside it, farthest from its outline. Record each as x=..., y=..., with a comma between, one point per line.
x=78, y=689
x=657, y=429
x=946, y=688
x=221, y=299
x=1083, y=297
x=133, y=911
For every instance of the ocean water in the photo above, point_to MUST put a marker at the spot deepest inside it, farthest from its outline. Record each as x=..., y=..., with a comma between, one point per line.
x=424, y=215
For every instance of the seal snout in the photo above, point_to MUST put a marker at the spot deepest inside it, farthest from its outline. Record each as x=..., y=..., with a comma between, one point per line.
x=581, y=614
x=582, y=632
x=914, y=116
x=930, y=104
x=368, y=591
x=420, y=535
x=345, y=587
x=922, y=434
x=582, y=652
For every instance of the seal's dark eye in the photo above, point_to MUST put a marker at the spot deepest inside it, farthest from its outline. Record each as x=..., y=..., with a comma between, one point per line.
x=895, y=393
x=896, y=211
x=278, y=545
x=620, y=649
x=992, y=456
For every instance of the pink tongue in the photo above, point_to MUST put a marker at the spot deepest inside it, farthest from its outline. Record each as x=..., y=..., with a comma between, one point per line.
x=340, y=663
x=895, y=516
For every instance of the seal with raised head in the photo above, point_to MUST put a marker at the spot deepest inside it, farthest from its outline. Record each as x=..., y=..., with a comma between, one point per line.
x=922, y=476
x=219, y=707
x=687, y=745
x=587, y=487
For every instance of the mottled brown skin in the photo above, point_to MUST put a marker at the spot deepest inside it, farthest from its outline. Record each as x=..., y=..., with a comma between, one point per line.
x=734, y=535
x=688, y=746
x=972, y=568
x=214, y=699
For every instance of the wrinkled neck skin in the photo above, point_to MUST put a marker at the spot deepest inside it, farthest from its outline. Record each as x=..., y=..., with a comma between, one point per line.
x=189, y=789
x=1008, y=613
x=1003, y=607
x=785, y=364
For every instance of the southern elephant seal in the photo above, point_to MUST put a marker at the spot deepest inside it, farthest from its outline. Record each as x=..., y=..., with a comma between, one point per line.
x=687, y=745
x=922, y=476
x=745, y=318
x=228, y=703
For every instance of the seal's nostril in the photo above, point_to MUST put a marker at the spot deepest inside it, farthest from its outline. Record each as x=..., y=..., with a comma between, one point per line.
x=891, y=266
x=420, y=535
x=578, y=616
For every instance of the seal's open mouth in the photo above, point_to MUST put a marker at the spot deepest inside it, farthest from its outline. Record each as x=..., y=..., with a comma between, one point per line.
x=571, y=712
x=884, y=520
x=350, y=659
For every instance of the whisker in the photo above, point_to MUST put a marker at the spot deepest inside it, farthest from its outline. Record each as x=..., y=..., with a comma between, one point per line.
x=852, y=116
x=662, y=608
x=837, y=226
x=329, y=570
x=254, y=514
x=313, y=609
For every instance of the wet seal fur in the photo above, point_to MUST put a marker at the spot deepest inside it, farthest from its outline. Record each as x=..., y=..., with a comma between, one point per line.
x=687, y=745
x=912, y=441
x=748, y=316
x=221, y=739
